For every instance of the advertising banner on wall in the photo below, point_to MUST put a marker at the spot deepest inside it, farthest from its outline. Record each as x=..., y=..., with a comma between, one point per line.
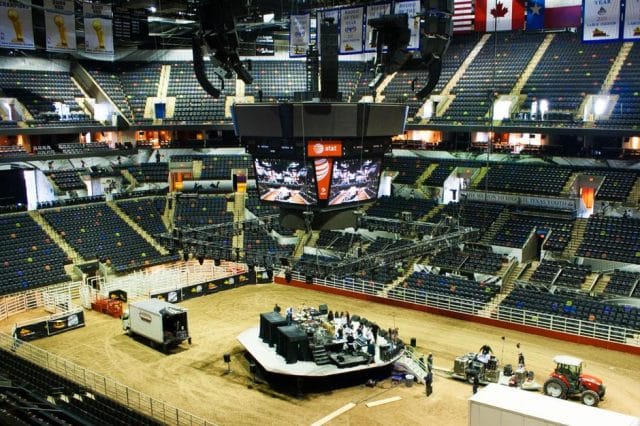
x=600, y=20
x=351, y=30
x=65, y=323
x=60, y=25
x=631, y=25
x=412, y=9
x=98, y=28
x=374, y=11
x=16, y=26
x=299, y=35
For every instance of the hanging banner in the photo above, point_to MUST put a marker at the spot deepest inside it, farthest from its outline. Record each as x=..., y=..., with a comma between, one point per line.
x=351, y=30
x=412, y=9
x=374, y=11
x=98, y=28
x=600, y=20
x=60, y=25
x=299, y=35
x=16, y=26
x=631, y=25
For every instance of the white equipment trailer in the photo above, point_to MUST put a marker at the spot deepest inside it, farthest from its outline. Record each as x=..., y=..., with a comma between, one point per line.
x=162, y=323
x=501, y=406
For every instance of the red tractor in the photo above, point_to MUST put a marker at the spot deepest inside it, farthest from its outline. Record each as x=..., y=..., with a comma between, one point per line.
x=567, y=380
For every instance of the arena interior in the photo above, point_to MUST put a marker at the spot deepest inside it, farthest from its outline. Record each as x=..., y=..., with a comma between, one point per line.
x=507, y=213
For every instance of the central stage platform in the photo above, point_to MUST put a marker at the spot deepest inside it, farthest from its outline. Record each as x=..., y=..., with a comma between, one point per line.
x=273, y=363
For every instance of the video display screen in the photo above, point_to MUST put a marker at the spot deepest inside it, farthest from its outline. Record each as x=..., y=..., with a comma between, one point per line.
x=286, y=181
x=354, y=180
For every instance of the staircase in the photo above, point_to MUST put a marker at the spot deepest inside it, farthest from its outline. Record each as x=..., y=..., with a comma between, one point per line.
x=169, y=211
x=148, y=238
x=617, y=65
x=238, y=217
x=495, y=227
x=601, y=283
x=425, y=175
x=566, y=189
x=379, y=96
x=55, y=237
x=463, y=68
x=385, y=291
x=163, y=82
x=526, y=276
x=432, y=213
x=303, y=238
x=634, y=195
x=411, y=361
x=479, y=176
x=590, y=282
x=508, y=283
x=577, y=235
x=129, y=177
x=533, y=63
x=320, y=355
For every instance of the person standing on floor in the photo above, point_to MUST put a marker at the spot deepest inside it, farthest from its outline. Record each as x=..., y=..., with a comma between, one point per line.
x=428, y=381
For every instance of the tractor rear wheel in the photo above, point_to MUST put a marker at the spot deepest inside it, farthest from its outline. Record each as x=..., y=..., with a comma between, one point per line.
x=556, y=388
x=590, y=398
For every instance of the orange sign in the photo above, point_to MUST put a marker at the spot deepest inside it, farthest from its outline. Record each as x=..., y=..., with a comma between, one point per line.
x=324, y=149
x=323, y=176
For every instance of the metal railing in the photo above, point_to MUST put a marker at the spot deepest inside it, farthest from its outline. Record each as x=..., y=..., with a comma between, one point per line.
x=590, y=329
x=105, y=386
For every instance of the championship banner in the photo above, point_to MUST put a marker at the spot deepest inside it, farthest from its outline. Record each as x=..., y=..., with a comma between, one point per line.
x=374, y=11
x=631, y=25
x=299, y=35
x=16, y=26
x=600, y=20
x=351, y=33
x=412, y=9
x=98, y=28
x=60, y=25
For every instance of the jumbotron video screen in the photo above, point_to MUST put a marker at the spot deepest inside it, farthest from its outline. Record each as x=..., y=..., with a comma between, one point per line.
x=354, y=180
x=286, y=181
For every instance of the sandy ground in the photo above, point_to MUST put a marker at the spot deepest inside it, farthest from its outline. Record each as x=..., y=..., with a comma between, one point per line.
x=194, y=379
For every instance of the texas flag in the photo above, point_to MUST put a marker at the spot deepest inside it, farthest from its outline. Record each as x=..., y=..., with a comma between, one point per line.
x=499, y=15
x=553, y=14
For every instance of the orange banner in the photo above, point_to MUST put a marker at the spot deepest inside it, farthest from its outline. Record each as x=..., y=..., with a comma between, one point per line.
x=324, y=149
x=323, y=176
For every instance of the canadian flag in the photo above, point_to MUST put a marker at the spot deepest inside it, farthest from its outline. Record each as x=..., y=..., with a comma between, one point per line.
x=499, y=15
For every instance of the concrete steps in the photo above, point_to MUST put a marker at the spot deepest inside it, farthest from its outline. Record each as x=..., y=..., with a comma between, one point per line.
x=566, y=189
x=148, y=238
x=590, y=282
x=634, y=195
x=615, y=68
x=601, y=283
x=531, y=66
x=55, y=237
x=526, y=276
x=478, y=177
x=425, y=175
x=434, y=211
x=495, y=226
x=239, y=199
x=303, y=237
x=465, y=64
x=133, y=183
x=577, y=235
x=169, y=212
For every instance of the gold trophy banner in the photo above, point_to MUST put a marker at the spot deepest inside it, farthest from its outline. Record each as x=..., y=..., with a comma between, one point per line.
x=60, y=25
x=16, y=25
x=98, y=28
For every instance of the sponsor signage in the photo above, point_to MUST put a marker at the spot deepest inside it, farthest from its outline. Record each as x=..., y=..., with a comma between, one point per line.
x=523, y=200
x=324, y=149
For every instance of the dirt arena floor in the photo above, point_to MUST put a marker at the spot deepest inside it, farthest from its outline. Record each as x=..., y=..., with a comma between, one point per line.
x=194, y=379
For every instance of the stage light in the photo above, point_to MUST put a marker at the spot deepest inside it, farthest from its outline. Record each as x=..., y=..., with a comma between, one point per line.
x=544, y=107
x=600, y=106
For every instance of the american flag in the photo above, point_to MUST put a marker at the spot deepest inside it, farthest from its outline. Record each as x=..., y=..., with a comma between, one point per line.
x=463, y=15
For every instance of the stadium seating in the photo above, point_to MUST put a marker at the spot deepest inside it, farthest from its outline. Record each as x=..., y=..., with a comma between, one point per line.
x=409, y=168
x=424, y=282
x=626, y=112
x=109, y=81
x=469, y=260
x=44, y=383
x=515, y=231
x=95, y=231
x=612, y=238
x=471, y=213
x=622, y=283
x=569, y=70
x=393, y=207
x=28, y=257
x=66, y=180
x=616, y=185
x=18, y=406
x=39, y=90
x=150, y=172
x=573, y=305
x=526, y=179
x=139, y=81
x=495, y=69
x=201, y=211
x=146, y=212
x=560, y=273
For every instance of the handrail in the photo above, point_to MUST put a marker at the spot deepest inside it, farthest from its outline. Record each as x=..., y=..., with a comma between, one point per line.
x=106, y=386
x=591, y=329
